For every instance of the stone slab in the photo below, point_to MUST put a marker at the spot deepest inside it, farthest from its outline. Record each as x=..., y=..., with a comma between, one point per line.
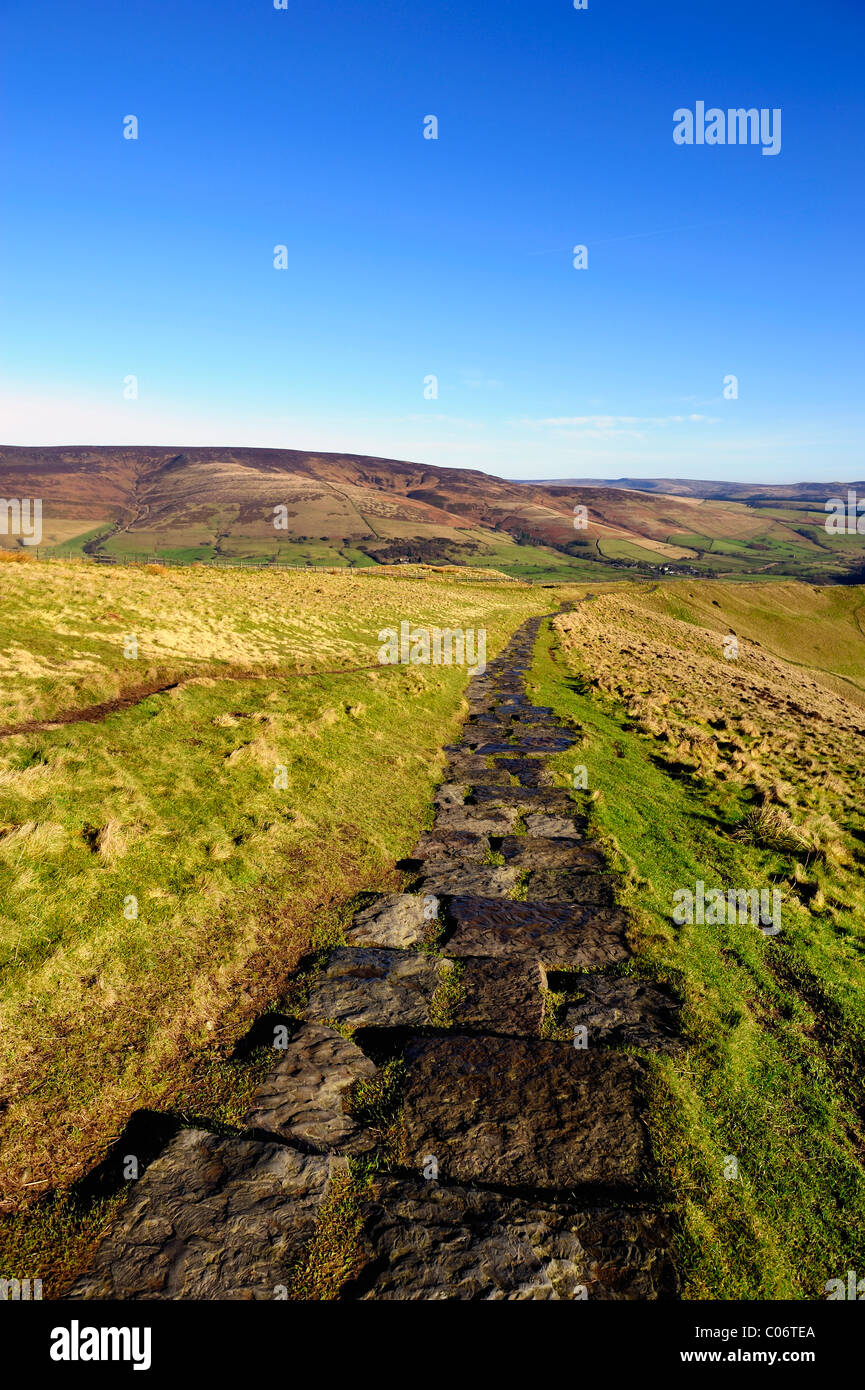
x=420, y=1240
x=211, y=1218
x=372, y=988
x=544, y=827
x=463, y=765
x=527, y=745
x=550, y=801
x=453, y=844
x=450, y=794
x=518, y=1112
x=572, y=886
x=500, y=996
x=559, y=935
x=625, y=1012
x=448, y=878
x=478, y=820
x=529, y=772
x=395, y=921
x=302, y=1098
x=556, y=852
x=489, y=749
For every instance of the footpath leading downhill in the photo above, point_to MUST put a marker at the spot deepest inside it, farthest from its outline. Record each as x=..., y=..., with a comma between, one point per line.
x=491, y=1005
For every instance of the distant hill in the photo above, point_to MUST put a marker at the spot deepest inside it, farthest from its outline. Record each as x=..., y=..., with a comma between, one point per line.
x=213, y=503
x=734, y=492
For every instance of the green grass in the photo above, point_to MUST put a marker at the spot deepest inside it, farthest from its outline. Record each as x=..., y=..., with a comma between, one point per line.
x=538, y=562
x=692, y=541
x=779, y=551
x=773, y=1076
x=75, y=547
x=448, y=994
x=333, y=1254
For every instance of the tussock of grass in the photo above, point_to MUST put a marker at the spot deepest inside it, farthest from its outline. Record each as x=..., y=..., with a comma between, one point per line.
x=494, y=858
x=52, y=1240
x=448, y=993
x=376, y=1104
x=553, y=1024
x=520, y=891
x=333, y=1254
x=772, y=828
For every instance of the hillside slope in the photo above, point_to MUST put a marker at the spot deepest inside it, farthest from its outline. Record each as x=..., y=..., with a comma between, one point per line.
x=221, y=503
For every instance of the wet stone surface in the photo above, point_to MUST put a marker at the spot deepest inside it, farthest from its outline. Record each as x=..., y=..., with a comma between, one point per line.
x=450, y=794
x=528, y=771
x=371, y=988
x=541, y=827
x=572, y=886
x=395, y=921
x=421, y=1240
x=550, y=801
x=489, y=881
x=562, y=935
x=544, y=743
x=302, y=1098
x=488, y=750
x=211, y=1218
x=453, y=844
x=500, y=996
x=625, y=1012
x=517, y=1113
x=478, y=820
x=558, y=852
x=465, y=766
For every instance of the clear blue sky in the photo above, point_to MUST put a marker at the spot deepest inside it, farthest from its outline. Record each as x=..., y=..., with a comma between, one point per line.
x=410, y=257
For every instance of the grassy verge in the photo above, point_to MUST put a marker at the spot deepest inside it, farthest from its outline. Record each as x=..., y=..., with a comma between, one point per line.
x=757, y=1128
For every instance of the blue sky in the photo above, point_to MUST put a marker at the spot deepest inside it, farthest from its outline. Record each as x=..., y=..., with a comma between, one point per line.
x=409, y=257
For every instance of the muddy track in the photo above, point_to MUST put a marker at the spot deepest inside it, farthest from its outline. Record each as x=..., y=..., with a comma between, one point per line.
x=477, y=1040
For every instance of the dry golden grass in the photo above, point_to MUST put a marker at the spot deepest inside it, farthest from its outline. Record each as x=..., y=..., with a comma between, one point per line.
x=63, y=625
x=782, y=731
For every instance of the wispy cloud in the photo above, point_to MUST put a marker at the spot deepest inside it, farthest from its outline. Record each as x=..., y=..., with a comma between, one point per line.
x=432, y=417
x=614, y=423
x=474, y=380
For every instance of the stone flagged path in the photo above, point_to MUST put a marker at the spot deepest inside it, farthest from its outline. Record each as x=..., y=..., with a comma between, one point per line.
x=522, y=1166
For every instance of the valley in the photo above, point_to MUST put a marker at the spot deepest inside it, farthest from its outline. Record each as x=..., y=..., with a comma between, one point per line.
x=281, y=506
